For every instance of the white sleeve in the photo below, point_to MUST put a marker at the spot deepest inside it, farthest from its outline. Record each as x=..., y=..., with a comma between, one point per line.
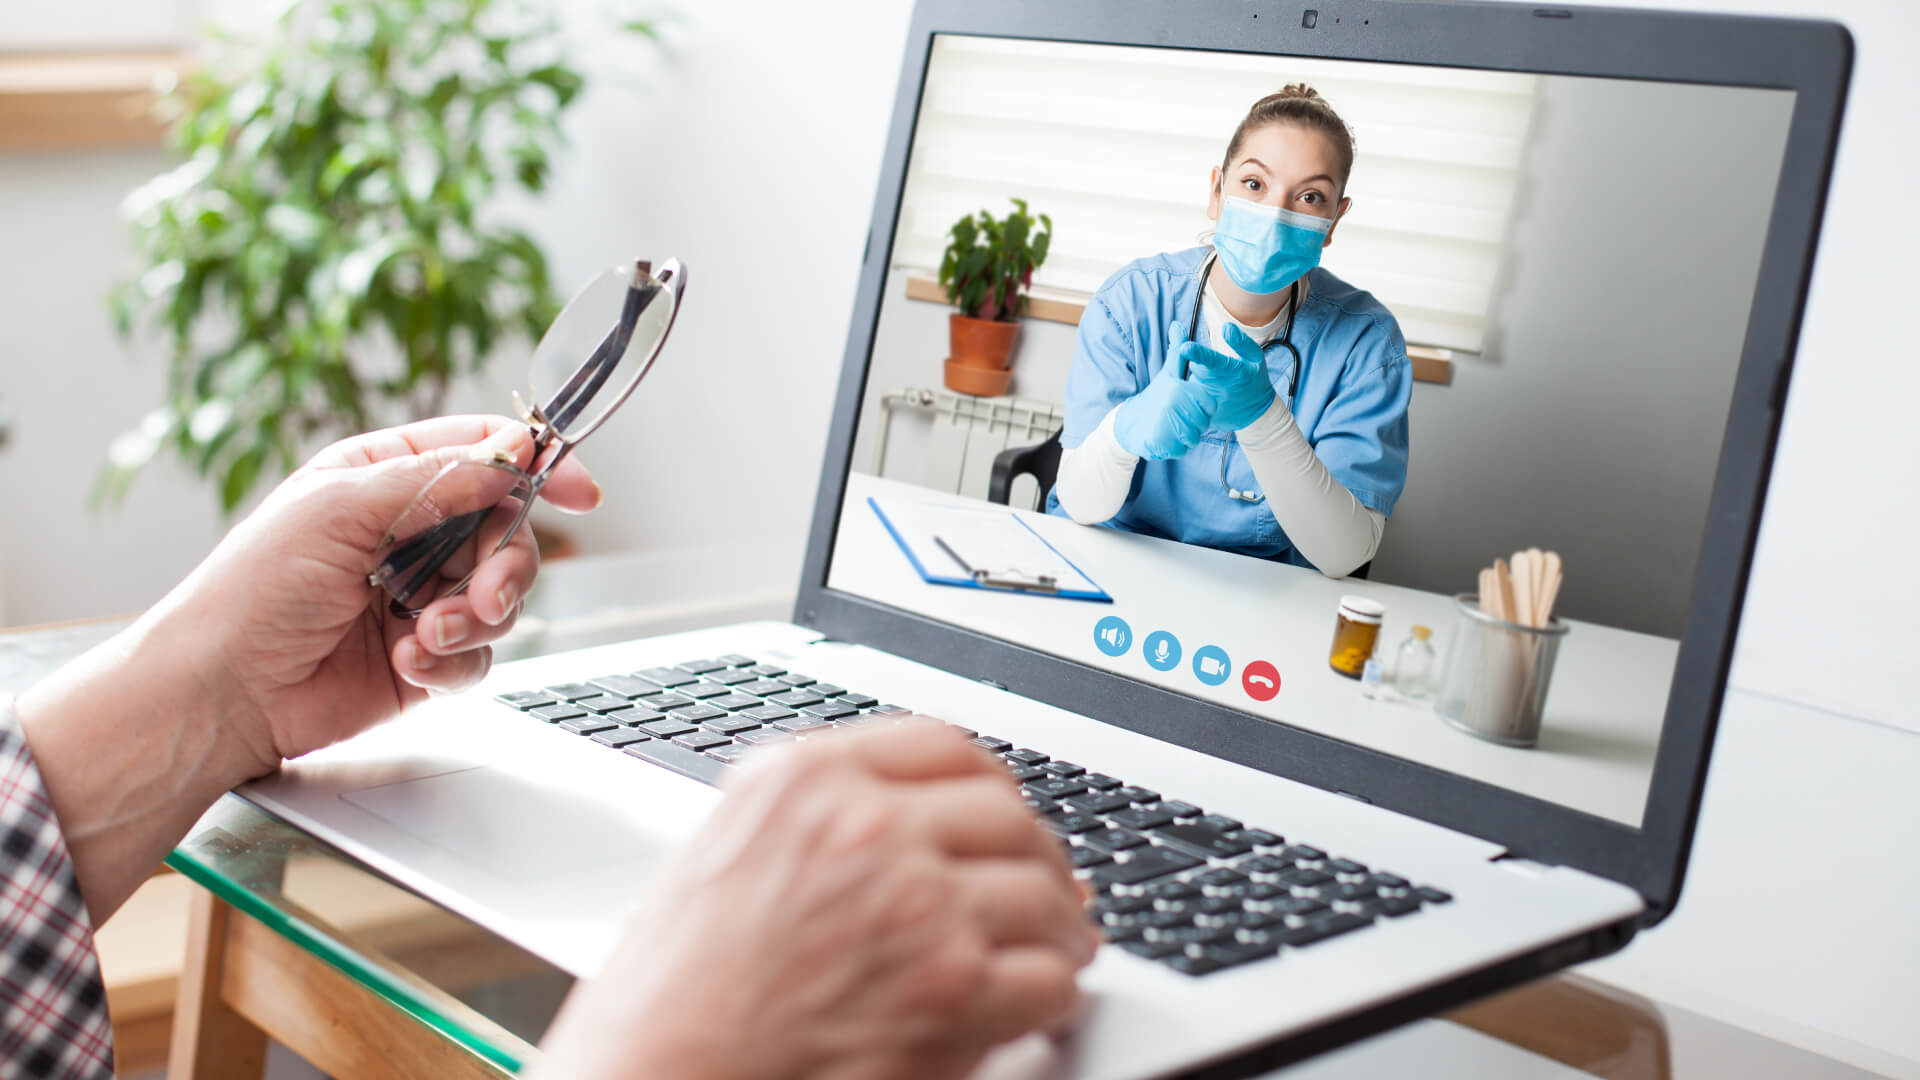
x=1330, y=527
x=1094, y=477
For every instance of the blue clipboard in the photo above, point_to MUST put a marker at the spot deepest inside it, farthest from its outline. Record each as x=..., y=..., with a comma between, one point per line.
x=971, y=547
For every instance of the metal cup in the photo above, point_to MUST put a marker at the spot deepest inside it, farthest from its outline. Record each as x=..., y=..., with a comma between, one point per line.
x=1494, y=682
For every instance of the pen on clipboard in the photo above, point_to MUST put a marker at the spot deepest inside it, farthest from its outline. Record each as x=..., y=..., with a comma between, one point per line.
x=1006, y=579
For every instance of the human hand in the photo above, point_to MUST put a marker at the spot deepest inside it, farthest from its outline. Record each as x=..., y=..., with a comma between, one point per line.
x=1238, y=380
x=1171, y=415
x=307, y=651
x=864, y=905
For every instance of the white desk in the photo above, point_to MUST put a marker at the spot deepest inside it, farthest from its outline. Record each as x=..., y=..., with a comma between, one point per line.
x=1603, y=712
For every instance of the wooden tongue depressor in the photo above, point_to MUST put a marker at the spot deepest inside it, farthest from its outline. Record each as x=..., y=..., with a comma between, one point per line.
x=1503, y=583
x=1487, y=600
x=1523, y=593
x=1553, y=571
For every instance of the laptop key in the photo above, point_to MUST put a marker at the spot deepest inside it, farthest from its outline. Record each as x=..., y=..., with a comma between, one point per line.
x=1138, y=796
x=1054, y=787
x=734, y=659
x=1396, y=906
x=798, y=724
x=1300, y=853
x=701, y=667
x=733, y=677
x=1219, y=821
x=859, y=701
x=625, y=686
x=892, y=710
x=730, y=754
x=1204, y=840
x=553, y=714
x=686, y=762
x=1388, y=881
x=1112, y=839
x=1141, y=819
x=1305, y=878
x=1261, y=838
x=1040, y=804
x=762, y=687
x=1144, y=864
x=701, y=740
x=1095, y=802
x=588, y=725
x=828, y=710
x=796, y=699
x=1023, y=773
x=1220, y=876
x=1084, y=857
x=604, y=703
x=1027, y=757
x=635, y=717
x=1321, y=928
x=663, y=702
x=731, y=725
x=701, y=691
x=526, y=699
x=1069, y=824
x=766, y=714
x=666, y=729
x=762, y=737
x=768, y=671
x=619, y=737
x=572, y=691
x=794, y=678
x=1063, y=769
x=734, y=702
x=827, y=689
x=1229, y=953
x=1100, y=782
x=1346, y=866
x=1432, y=895
x=992, y=745
x=666, y=677
x=1180, y=809
x=1169, y=891
x=697, y=712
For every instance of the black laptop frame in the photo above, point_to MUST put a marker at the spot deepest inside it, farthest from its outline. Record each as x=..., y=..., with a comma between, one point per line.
x=1811, y=58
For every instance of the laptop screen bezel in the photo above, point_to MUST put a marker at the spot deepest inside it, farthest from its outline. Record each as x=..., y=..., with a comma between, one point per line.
x=1810, y=58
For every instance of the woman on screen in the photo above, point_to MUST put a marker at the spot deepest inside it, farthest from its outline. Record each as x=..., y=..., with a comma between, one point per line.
x=1236, y=395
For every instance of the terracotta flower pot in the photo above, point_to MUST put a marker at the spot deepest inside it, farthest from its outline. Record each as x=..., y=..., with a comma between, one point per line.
x=980, y=382
x=981, y=343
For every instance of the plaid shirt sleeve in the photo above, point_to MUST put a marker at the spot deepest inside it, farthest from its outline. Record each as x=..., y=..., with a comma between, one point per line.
x=53, y=1005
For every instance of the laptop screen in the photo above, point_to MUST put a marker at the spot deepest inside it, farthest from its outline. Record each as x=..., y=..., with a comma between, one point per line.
x=1271, y=367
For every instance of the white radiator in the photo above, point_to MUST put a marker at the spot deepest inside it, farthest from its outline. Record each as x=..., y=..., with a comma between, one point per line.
x=963, y=435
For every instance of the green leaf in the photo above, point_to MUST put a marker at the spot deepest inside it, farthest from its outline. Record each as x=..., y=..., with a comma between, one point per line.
x=241, y=475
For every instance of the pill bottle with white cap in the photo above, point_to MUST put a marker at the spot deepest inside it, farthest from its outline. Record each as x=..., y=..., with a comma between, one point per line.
x=1356, y=630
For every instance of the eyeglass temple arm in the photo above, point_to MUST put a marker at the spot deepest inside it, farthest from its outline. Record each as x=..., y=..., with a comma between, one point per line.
x=566, y=405
x=421, y=557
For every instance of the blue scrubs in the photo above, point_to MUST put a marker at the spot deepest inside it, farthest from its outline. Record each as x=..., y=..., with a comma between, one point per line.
x=1355, y=383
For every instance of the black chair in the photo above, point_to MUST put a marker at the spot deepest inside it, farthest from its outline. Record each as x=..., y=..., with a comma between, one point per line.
x=1041, y=461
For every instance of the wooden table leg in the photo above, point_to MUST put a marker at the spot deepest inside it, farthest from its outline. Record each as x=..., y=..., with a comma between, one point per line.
x=210, y=1040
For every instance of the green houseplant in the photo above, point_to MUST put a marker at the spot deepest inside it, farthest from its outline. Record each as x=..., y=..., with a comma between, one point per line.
x=326, y=260
x=987, y=268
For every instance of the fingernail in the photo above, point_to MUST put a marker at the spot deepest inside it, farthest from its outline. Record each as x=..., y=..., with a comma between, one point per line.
x=422, y=659
x=508, y=596
x=598, y=495
x=450, y=630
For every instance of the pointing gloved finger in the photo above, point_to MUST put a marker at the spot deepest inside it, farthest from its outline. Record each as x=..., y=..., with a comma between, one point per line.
x=1245, y=346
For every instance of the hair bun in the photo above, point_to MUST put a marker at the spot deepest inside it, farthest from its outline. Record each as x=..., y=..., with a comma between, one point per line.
x=1299, y=90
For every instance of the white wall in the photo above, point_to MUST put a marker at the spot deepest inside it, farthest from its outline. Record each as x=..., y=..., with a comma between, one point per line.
x=755, y=161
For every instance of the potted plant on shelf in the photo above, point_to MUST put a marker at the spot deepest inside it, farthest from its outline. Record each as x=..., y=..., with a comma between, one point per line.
x=330, y=256
x=987, y=268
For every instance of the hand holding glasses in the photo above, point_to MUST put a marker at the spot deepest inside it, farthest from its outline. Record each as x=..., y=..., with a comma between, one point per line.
x=582, y=371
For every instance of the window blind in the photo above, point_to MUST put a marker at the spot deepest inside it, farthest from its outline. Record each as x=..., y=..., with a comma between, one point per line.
x=1115, y=144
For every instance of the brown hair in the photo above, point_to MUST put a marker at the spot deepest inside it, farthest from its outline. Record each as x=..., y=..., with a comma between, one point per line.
x=1296, y=103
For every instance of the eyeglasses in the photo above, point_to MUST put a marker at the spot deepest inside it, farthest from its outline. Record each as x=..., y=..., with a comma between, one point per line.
x=470, y=510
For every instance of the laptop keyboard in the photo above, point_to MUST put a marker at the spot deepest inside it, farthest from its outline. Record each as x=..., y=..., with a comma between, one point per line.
x=1198, y=892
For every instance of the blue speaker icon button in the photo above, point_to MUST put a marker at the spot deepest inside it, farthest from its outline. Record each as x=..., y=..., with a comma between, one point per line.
x=1210, y=665
x=1162, y=651
x=1113, y=636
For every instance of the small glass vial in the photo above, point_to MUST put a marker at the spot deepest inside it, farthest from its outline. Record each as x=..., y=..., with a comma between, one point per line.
x=1413, y=670
x=1356, y=630
x=1371, y=687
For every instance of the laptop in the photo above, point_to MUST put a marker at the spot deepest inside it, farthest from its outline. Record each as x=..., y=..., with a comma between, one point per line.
x=1593, y=231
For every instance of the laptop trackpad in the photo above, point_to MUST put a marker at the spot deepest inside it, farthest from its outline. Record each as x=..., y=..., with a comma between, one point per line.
x=527, y=834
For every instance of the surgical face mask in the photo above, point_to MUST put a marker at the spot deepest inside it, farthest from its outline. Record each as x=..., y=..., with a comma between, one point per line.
x=1265, y=248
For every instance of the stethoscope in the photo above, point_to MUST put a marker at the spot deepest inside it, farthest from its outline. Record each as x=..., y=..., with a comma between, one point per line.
x=1293, y=376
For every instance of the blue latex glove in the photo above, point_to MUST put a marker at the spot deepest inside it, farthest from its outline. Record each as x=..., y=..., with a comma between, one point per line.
x=1238, y=381
x=1169, y=417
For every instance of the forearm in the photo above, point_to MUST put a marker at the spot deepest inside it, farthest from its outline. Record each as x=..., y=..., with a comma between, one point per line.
x=1094, y=477
x=132, y=748
x=1327, y=524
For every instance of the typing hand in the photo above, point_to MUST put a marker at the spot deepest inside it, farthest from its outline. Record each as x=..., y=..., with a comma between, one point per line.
x=1238, y=380
x=871, y=904
x=1171, y=415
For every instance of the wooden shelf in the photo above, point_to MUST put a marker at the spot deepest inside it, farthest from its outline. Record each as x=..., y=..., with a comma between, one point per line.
x=1064, y=306
x=68, y=101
